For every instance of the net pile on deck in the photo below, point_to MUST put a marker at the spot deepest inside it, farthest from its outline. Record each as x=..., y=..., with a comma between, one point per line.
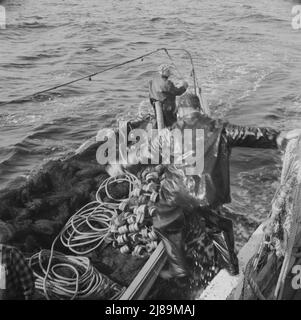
x=266, y=273
x=282, y=221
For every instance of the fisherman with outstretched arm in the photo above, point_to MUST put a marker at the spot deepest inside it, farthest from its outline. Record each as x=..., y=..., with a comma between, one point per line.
x=213, y=184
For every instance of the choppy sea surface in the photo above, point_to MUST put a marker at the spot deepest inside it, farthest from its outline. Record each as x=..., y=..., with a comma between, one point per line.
x=247, y=56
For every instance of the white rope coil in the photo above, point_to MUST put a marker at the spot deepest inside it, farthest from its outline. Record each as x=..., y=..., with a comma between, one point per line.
x=88, y=228
x=70, y=277
x=94, y=223
x=113, y=181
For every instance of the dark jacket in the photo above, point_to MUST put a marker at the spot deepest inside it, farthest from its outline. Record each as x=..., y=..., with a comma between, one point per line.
x=213, y=185
x=163, y=90
x=212, y=188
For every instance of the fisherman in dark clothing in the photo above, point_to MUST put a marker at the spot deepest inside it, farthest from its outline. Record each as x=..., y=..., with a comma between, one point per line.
x=212, y=186
x=163, y=90
x=219, y=139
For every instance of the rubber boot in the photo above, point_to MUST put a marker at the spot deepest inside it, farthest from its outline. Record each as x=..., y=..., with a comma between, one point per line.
x=223, y=238
x=225, y=247
x=176, y=267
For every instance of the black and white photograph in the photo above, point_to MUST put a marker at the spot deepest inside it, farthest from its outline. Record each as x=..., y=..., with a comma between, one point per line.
x=150, y=150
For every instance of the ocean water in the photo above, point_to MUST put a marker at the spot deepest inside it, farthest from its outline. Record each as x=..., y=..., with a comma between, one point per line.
x=247, y=58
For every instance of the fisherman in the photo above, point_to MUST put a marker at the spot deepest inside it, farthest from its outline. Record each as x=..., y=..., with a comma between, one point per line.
x=16, y=277
x=163, y=90
x=212, y=186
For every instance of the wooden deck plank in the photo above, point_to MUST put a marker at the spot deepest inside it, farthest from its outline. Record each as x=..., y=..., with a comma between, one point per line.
x=146, y=277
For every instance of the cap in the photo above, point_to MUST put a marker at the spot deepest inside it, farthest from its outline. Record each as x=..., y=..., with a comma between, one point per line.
x=165, y=70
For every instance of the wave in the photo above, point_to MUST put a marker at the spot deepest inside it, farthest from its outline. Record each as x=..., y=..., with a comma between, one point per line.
x=39, y=56
x=29, y=25
x=155, y=19
x=257, y=17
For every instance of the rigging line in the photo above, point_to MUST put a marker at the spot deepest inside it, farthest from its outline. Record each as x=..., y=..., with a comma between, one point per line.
x=89, y=76
x=192, y=64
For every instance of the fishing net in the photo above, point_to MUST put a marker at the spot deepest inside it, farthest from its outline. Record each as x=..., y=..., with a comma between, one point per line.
x=266, y=273
x=281, y=222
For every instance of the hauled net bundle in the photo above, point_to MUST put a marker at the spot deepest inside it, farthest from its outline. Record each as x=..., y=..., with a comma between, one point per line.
x=282, y=220
x=265, y=274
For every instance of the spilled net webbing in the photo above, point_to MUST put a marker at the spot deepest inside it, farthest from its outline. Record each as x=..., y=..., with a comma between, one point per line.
x=284, y=221
x=283, y=218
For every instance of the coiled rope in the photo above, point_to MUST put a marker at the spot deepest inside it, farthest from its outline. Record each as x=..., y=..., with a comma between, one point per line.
x=88, y=227
x=70, y=277
x=112, y=202
x=85, y=231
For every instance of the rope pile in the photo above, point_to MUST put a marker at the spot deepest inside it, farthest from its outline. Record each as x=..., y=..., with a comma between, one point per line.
x=107, y=189
x=85, y=231
x=70, y=277
x=88, y=228
x=93, y=225
x=122, y=218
